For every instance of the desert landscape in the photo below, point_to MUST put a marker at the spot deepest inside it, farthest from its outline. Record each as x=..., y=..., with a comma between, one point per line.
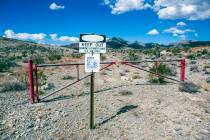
x=104, y=70
x=129, y=102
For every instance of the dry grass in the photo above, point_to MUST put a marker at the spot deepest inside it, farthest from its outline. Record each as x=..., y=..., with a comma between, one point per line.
x=205, y=86
x=125, y=92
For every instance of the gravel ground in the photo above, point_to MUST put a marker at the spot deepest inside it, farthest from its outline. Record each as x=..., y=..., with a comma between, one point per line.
x=124, y=109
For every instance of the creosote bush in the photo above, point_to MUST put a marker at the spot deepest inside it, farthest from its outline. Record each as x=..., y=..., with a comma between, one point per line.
x=102, y=57
x=194, y=68
x=208, y=80
x=188, y=87
x=161, y=69
x=13, y=86
x=125, y=92
x=38, y=59
x=67, y=77
x=6, y=63
x=76, y=55
x=132, y=56
x=54, y=56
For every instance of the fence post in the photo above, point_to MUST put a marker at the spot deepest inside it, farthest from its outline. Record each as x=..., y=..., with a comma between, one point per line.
x=183, y=70
x=77, y=72
x=92, y=101
x=30, y=79
x=37, y=90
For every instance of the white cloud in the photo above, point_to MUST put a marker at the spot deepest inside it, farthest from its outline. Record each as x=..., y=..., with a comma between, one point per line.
x=68, y=39
x=153, y=32
x=107, y=2
x=165, y=9
x=55, y=37
x=196, y=34
x=54, y=6
x=181, y=24
x=25, y=36
x=182, y=9
x=122, y=6
x=183, y=37
x=175, y=31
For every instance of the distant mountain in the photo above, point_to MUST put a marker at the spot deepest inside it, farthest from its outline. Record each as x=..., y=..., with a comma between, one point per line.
x=117, y=43
x=113, y=43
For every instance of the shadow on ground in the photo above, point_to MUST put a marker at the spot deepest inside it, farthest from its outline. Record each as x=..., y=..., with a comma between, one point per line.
x=121, y=111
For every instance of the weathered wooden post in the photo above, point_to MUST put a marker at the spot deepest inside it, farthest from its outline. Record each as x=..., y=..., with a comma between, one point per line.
x=37, y=84
x=92, y=101
x=77, y=72
x=30, y=79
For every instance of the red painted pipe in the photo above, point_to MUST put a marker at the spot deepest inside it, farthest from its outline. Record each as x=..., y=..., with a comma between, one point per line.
x=183, y=69
x=30, y=79
x=37, y=90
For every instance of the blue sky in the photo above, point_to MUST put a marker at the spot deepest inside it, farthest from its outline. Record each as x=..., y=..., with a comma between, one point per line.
x=61, y=21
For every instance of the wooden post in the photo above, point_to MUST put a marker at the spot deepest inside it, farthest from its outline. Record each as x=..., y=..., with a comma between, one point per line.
x=77, y=72
x=37, y=84
x=92, y=101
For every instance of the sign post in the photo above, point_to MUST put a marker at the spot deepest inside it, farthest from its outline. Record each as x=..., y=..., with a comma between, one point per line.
x=92, y=101
x=92, y=45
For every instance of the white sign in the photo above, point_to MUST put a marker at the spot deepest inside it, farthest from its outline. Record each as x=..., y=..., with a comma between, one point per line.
x=91, y=43
x=92, y=62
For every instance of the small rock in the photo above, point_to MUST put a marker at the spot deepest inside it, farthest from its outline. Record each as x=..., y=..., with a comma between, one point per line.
x=204, y=131
x=198, y=119
x=178, y=128
x=30, y=125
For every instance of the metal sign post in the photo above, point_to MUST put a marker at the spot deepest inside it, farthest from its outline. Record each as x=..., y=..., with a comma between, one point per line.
x=92, y=45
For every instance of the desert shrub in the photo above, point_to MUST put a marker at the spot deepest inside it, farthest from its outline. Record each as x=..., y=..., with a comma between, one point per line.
x=157, y=51
x=54, y=56
x=132, y=56
x=175, y=50
x=102, y=57
x=13, y=86
x=122, y=74
x=67, y=77
x=207, y=72
x=208, y=80
x=136, y=76
x=76, y=55
x=41, y=77
x=24, y=53
x=125, y=92
x=38, y=59
x=50, y=86
x=6, y=64
x=41, y=92
x=160, y=69
x=188, y=87
x=23, y=78
x=193, y=62
x=186, y=49
x=204, y=52
x=191, y=56
x=194, y=68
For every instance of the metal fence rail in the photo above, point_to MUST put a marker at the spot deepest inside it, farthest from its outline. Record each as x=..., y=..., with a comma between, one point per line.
x=70, y=84
x=67, y=64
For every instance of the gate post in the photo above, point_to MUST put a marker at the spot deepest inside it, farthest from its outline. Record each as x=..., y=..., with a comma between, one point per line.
x=30, y=79
x=183, y=70
x=92, y=101
x=37, y=90
x=77, y=72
